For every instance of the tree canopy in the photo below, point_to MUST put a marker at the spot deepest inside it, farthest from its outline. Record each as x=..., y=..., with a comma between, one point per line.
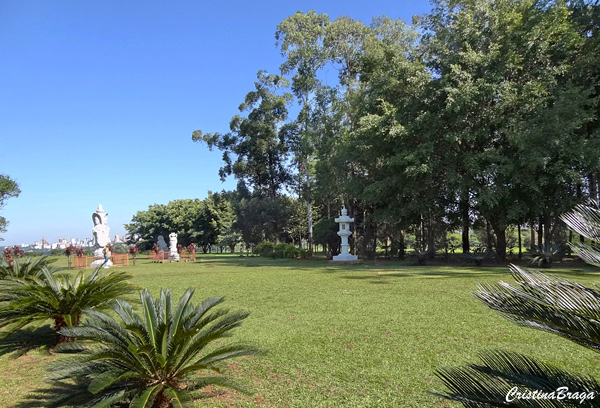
x=8, y=188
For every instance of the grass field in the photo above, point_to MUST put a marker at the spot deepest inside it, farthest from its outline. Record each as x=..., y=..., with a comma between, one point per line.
x=365, y=335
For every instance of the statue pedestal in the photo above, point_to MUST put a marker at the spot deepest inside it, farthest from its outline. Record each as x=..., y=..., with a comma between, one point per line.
x=345, y=257
x=99, y=262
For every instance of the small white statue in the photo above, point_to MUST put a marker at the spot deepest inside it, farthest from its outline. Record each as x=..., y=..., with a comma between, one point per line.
x=173, y=242
x=101, y=233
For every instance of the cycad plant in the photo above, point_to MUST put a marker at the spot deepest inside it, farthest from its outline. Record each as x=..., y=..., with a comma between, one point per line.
x=544, y=256
x=552, y=304
x=62, y=298
x=148, y=360
x=19, y=268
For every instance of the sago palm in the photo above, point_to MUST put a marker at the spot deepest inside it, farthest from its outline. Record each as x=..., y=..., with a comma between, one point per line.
x=148, y=360
x=555, y=305
x=62, y=298
x=18, y=268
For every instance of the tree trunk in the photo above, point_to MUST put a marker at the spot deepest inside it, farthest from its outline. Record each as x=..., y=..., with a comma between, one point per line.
x=162, y=401
x=540, y=233
x=401, y=246
x=547, y=230
x=593, y=186
x=59, y=323
x=488, y=233
x=519, y=232
x=500, y=230
x=464, y=215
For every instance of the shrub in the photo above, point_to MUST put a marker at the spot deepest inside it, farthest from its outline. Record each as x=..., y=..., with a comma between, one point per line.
x=24, y=300
x=291, y=251
x=264, y=249
x=543, y=257
x=149, y=360
x=26, y=268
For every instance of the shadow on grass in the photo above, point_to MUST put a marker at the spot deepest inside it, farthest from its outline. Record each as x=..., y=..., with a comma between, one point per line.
x=61, y=394
x=24, y=341
x=387, y=269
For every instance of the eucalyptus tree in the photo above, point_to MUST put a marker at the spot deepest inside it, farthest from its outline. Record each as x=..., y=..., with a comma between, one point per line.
x=253, y=151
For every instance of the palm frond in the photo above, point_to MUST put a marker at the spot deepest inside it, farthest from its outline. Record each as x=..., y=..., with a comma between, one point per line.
x=547, y=303
x=489, y=384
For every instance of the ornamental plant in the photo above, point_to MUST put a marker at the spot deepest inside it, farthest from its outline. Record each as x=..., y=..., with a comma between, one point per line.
x=546, y=303
x=29, y=267
x=32, y=299
x=157, y=359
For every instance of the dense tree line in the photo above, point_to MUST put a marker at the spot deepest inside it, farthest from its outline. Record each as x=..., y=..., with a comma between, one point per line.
x=481, y=114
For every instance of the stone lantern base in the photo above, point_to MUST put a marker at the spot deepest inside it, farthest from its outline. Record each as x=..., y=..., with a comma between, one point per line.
x=345, y=257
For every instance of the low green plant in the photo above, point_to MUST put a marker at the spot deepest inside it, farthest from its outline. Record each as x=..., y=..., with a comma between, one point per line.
x=264, y=249
x=62, y=298
x=31, y=266
x=152, y=359
x=479, y=256
x=542, y=257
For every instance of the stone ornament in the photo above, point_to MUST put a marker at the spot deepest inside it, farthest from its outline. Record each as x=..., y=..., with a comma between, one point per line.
x=101, y=233
x=173, y=243
x=344, y=233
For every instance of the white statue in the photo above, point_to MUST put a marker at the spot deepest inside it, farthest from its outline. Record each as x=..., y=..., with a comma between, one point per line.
x=162, y=245
x=344, y=233
x=101, y=233
x=173, y=242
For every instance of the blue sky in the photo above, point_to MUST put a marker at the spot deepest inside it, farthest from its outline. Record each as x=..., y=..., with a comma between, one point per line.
x=99, y=100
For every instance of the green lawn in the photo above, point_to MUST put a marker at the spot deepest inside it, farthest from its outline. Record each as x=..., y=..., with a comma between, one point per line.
x=366, y=335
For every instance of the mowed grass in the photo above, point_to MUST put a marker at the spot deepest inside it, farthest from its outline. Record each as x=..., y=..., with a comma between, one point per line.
x=366, y=335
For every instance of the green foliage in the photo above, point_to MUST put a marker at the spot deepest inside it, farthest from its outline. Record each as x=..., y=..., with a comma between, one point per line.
x=543, y=257
x=259, y=155
x=152, y=359
x=325, y=233
x=197, y=221
x=479, y=256
x=264, y=248
x=8, y=188
x=542, y=302
x=30, y=267
x=281, y=250
x=35, y=298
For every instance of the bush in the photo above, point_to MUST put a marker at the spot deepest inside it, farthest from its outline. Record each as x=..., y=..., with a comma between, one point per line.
x=264, y=249
x=159, y=358
x=291, y=251
x=283, y=250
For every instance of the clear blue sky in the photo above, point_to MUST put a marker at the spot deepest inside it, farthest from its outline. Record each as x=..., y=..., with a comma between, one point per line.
x=98, y=100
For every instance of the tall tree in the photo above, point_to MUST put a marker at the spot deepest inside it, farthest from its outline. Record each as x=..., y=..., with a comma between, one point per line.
x=498, y=65
x=301, y=39
x=259, y=155
x=8, y=188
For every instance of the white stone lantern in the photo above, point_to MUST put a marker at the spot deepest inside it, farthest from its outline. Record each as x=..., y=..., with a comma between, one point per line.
x=344, y=233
